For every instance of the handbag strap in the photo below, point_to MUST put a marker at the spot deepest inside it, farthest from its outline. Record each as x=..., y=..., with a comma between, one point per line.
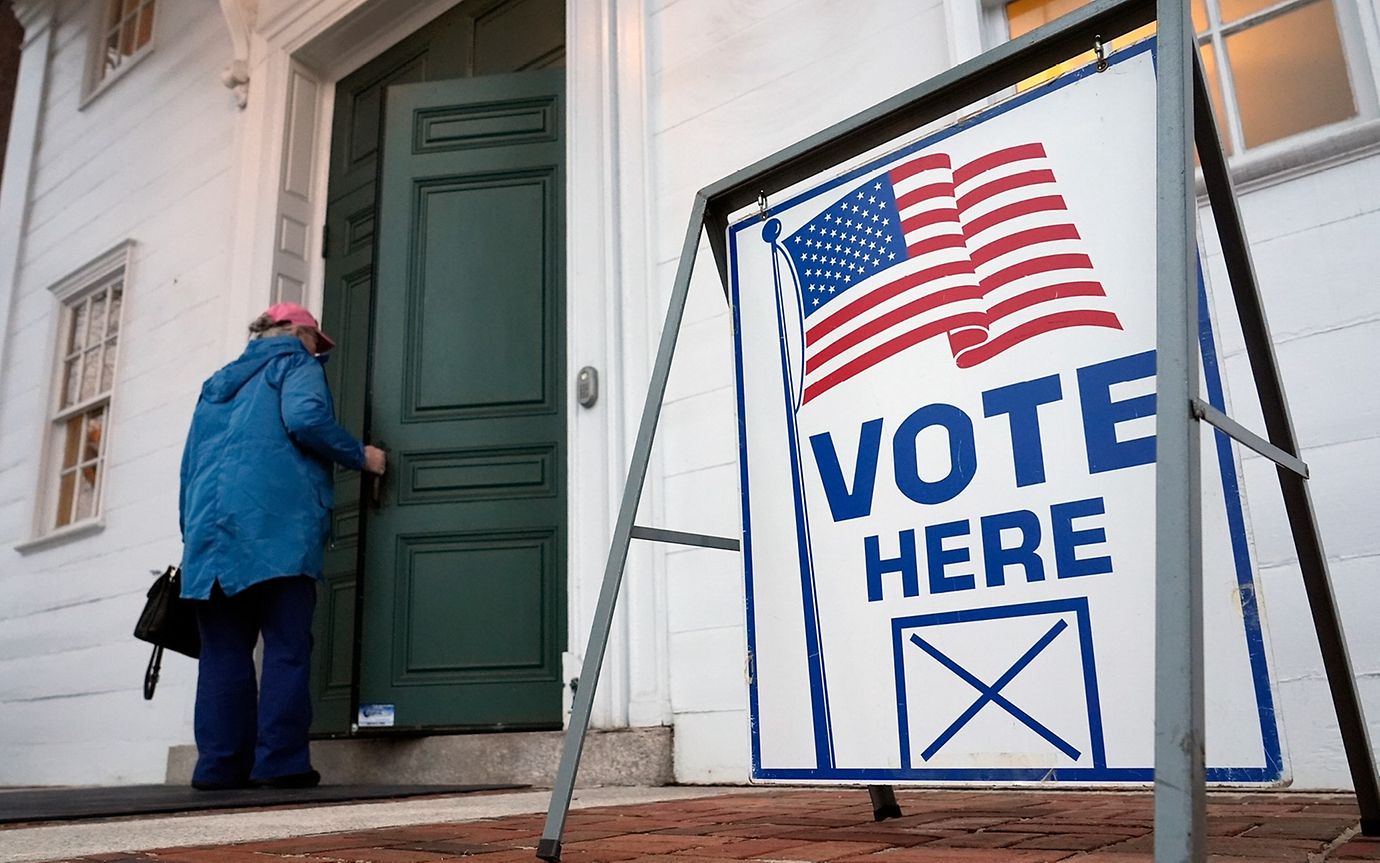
x=151, y=673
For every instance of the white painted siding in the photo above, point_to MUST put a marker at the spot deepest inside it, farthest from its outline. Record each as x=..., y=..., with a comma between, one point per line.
x=148, y=160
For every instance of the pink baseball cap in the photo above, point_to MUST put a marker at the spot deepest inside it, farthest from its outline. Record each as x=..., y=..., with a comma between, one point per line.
x=291, y=313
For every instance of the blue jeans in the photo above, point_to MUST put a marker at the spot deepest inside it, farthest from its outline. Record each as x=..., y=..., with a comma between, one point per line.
x=247, y=731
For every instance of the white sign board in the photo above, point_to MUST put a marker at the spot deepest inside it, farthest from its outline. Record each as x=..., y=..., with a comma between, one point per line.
x=945, y=365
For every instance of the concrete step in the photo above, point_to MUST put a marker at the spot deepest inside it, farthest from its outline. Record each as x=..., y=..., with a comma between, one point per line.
x=627, y=756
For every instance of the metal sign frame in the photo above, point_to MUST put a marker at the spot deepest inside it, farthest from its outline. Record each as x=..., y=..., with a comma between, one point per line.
x=1185, y=120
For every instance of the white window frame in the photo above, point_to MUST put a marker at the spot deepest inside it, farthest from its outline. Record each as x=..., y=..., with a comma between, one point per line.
x=67, y=294
x=99, y=23
x=1296, y=154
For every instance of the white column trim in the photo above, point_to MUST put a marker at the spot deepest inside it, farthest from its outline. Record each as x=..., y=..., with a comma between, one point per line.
x=38, y=19
x=649, y=695
x=964, y=20
x=611, y=295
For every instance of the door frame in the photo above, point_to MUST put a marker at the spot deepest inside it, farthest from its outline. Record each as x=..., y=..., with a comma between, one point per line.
x=296, y=51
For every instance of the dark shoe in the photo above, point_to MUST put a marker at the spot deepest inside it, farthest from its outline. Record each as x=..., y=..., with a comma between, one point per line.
x=309, y=779
x=202, y=785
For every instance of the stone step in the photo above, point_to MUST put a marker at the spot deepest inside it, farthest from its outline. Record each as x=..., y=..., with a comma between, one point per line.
x=627, y=756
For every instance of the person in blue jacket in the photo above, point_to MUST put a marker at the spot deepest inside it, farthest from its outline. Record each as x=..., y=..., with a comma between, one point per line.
x=255, y=513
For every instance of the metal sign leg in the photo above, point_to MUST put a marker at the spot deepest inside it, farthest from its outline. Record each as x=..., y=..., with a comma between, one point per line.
x=1180, y=791
x=549, y=847
x=884, y=803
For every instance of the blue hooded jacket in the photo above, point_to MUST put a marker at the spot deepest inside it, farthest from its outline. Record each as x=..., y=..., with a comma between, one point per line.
x=256, y=471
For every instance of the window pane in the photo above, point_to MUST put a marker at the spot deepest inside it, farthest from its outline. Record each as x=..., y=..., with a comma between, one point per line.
x=129, y=7
x=76, y=336
x=1290, y=74
x=66, y=491
x=127, y=34
x=71, y=377
x=71, y=441
x=145, y=25
x=117, y=300
x=97, y=331
x=1025, y=15
x=87, y=478
x=1235, y=10
x=1199, y=11
x=91, y=441
x=108, y=367
x=90, y=374
x=1215, y=90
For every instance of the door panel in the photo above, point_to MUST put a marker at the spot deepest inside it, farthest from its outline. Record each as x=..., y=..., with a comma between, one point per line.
x=464, y=556
x=505, y=216
x=475, y=37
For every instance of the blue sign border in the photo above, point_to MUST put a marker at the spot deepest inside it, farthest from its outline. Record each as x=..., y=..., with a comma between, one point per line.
x=1273, y=769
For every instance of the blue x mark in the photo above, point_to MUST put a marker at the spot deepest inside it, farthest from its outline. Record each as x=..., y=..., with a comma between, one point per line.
x=993, y=694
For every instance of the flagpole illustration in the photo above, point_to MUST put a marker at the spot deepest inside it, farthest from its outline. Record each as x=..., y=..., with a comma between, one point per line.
x=792, y=379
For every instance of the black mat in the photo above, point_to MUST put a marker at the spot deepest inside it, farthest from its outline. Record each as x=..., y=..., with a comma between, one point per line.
x=66, y=804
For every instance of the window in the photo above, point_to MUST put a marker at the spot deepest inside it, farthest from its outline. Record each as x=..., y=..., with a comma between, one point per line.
x=124, y=35
x=1275, y=69
x=87, y=348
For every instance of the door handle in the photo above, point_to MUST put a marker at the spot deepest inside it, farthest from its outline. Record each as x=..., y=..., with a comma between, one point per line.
x=376, y=485
x=375, y=491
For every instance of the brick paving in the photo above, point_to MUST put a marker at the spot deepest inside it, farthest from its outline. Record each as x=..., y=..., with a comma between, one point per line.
x=836, y=825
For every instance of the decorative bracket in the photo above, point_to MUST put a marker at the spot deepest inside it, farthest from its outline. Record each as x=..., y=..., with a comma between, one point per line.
x=239, y=18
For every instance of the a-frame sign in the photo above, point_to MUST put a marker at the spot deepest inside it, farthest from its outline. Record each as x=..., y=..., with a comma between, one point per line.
x=1175, y=349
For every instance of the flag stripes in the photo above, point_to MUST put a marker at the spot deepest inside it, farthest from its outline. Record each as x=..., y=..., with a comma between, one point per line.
x=984, y=253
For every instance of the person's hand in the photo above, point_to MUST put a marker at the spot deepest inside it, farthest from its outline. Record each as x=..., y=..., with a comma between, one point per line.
x=375, y=459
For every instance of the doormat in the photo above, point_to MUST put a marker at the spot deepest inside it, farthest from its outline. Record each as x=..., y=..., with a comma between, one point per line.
x=67, y=804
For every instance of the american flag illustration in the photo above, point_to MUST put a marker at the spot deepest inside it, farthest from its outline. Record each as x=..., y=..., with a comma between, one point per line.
x=982, y=253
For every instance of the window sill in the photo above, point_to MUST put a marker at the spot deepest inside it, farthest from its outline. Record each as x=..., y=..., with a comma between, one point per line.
x=69, y=533
x=1316, y=152
x=120, y=72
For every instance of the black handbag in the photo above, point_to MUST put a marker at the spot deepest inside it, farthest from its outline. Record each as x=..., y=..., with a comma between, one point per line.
x=167, y=622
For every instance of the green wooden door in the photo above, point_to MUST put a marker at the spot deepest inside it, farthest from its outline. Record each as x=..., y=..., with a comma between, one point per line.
x=476, y=38
x=465, y=541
